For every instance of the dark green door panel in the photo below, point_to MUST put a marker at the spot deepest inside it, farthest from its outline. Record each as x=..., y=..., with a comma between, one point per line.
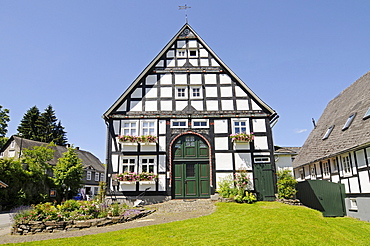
x=264, y=181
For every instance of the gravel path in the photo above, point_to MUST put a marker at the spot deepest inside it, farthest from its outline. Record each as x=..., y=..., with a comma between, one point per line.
x=170, y=211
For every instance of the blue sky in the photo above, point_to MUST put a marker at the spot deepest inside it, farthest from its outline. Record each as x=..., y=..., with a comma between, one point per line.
x=80, y=56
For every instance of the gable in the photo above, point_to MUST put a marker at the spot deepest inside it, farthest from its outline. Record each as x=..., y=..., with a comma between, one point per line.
x=185, y=75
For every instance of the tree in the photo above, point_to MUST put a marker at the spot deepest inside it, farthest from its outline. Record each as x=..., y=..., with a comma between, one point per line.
x=68, y=173
x=38, y=170
x=286, y=184
x=28, y=126
x=4, y=119
x=42, y=127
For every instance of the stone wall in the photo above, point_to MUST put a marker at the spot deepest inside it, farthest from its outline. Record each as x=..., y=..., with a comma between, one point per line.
x=32, y=227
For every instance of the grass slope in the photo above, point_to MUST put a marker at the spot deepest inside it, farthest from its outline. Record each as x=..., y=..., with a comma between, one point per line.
x=262, y=223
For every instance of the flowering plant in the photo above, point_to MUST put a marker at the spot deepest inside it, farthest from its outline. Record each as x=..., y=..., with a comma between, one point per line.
x=128, y=138
x=148, y=139
x=128, y=176
x=243, y=137
x=144, y=176
x=242, y=180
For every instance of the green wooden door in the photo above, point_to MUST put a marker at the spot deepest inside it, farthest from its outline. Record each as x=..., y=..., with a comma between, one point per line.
x=264, y=181
x=191, y=168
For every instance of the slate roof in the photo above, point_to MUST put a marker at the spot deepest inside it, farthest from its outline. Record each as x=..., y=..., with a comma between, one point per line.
x=88, y=159
x=354, y=99
x=286, y=150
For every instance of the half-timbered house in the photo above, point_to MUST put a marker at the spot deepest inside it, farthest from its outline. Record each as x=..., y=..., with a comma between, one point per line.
x=338, y=148
x=175, y=120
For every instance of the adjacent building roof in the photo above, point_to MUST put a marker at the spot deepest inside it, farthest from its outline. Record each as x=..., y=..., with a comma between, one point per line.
x=88, y=159
x=344, y=125
x=286, y=150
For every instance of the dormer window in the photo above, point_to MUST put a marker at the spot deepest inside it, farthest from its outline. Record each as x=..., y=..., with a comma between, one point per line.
x=367, y=114
x=349, y=121
x=330, y=129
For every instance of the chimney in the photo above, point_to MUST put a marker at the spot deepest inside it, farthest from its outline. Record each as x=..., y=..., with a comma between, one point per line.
x=77, y=148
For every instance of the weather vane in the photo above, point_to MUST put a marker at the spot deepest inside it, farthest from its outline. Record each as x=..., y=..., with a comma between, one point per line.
x=185, y=7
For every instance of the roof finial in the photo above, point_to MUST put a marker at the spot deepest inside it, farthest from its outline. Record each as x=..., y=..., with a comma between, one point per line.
x=185, y=7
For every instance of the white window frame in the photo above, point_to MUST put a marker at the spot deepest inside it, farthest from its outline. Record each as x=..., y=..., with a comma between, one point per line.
x=148, y=161
x=334, y=164
x=367, y=114
x=199, y=94
x=183, y=94
x=326, y=169
x=88, y=175
x=313, y=171
x=97, y=176
x=181, y=53
x=349, y=121
x=131, y=164
x=102, y=177
x=263, y=159
x=346, y=164
x=328, y=132
x=12, y=144
x=132, y=130
x=234, y=127
x=353, y=204
x=178, y=121
x=195, y=121
x=143, y=127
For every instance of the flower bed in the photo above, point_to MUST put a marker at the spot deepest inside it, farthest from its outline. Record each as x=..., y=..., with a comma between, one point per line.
x=72, y=215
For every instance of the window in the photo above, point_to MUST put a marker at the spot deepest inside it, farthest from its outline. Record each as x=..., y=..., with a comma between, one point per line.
x=12, y=144
x=147, y=165
x=349, y=121
x=181, y=53
x=102, y=177
x=128, y=164
x=301, y=174
x=148, y=128
x=330, y=129
x=196, y=92
x=179, y=123
x=346, y=164
x=130, y=128
x=334, y=164
x=88, y=175
x=181, y=92
x=1, y=154
x=192, y=53
x=11, y=153
x=240, y=127
x=97, y=175
x=326, y=169
x=367, y=114
x=353, y=204
x=313, y=171
x=261, y=159
x=200, y=123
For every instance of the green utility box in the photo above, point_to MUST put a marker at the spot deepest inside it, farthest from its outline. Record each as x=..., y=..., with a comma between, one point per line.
x=324, y=196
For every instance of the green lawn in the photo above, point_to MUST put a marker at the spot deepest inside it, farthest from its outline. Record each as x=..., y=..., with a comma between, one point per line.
x=262, y=223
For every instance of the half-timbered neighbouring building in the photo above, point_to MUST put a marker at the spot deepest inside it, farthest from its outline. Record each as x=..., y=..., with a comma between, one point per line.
x=184, y=106
x=338, y=148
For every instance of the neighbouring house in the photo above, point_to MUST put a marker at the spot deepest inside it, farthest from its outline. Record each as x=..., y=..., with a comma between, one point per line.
x=284, y=157
x=94, y=171
x=175, y=121
x=338, y=148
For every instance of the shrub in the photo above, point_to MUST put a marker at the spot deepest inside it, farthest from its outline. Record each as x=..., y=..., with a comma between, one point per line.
x=286, y=184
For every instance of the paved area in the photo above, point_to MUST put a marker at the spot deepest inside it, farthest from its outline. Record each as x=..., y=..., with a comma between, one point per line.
x=170, y=211
x=5, y=223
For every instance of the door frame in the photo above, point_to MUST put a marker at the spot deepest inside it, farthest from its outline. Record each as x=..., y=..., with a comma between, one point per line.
x=171, y=157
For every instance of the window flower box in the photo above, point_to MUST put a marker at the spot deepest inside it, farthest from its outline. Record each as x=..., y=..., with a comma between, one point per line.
x=242, y=137
x=127, y=177
x=127, y=182
x=134, y=140
x=147, y=182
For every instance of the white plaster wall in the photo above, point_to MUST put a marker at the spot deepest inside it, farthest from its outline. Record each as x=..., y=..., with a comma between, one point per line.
x=242, y=104
x=255, y=106
x=214, y=63
x=151, y=93
x=204, y=62
x=135, y=106
x=193, y=62
x=136, y=93
x=283, y=161
x=220, y=126
x=364, y=179
x=335, y=178
x=160, y=63
x=181, y=62
x=151, y=79
x=195, y=79
x=193, y=44
x=212, y=105
x=224, y=161
x=123, y=106
x=225, y=79
x=210, y=78
x=166, y=105
x=211, y=91
x=203, y=53
x=162, y=143
x=221, y=176
x=239, y=92
x=360, y=156
x=260, y=142
x=180, y=79
x=161, y=182
x=166, y=79
x=221, y=143
x=115, y=161
x=226, y=91
x=162, y=127
x=180, y=105
x=170, y=54
x=171, y=63
x=198, y=105
x=345, y=182
x=116, y=127
x=259, y=125
x=353, y=182
x=227, y=105
x=243, y=161
x=151, y=106
x=162, y=163
x=181, y=44
x=166, y=92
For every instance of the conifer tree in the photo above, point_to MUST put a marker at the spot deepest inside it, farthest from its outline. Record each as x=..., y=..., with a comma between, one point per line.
x=59, y=135
x=46, y=125
x=4, y=119
x=28, y=126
